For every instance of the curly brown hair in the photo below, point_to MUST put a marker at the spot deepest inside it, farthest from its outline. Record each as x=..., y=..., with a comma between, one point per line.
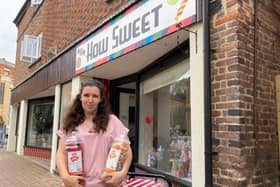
x=76, y=116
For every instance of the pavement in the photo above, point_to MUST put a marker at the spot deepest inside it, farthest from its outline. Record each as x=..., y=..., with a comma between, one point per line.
x=20, y=171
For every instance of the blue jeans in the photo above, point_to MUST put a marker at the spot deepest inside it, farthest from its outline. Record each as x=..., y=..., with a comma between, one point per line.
x=2, y=141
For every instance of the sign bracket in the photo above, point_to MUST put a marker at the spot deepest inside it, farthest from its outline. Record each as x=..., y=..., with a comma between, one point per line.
x=179, y=26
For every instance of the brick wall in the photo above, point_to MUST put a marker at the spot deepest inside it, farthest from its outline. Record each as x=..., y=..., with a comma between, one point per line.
x=247, y=147
x=9, y=68
x=61, y=23
x=37, y=152
x=268, y=66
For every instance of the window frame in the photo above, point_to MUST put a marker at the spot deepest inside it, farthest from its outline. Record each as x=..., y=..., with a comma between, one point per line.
x=36, y=2
x=31, y=47
x=32, y=103
x=6, y=72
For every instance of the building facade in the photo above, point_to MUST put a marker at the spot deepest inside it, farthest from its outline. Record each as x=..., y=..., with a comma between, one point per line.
x=244, y=66
x=194, y=81
x=7, y=73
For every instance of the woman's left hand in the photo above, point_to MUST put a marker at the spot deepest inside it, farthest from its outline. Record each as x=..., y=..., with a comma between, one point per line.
x=113, y=179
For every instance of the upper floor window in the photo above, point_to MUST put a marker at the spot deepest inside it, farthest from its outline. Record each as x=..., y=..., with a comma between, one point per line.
x=36, y=2
x=31, y=48
x=6, y=72
x=2, y=91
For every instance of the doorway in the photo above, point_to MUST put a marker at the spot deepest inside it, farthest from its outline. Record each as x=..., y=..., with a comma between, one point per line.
x=123, y=102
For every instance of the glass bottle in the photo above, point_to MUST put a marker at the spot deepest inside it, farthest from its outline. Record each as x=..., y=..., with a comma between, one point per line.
x=118, y=148
x=74, y=151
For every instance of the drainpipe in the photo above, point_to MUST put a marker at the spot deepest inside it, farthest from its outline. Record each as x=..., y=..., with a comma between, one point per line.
x=255, y=80
x=207, y=96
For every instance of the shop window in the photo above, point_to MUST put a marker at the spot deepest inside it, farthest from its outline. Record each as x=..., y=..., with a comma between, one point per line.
x=165, y=124
x=2, y=92
x=40, y=123
x=31, y=48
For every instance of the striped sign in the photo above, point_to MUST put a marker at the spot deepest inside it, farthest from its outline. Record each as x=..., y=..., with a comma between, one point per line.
x=143, y=182
x=141, y=24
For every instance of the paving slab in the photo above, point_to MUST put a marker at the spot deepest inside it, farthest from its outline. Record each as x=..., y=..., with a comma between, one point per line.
x=18, y=171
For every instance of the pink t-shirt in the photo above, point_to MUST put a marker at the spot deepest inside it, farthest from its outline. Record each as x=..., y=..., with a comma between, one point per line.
x=96, y=148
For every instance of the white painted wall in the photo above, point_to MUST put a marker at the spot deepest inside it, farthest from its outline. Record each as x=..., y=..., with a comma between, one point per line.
x=55, y=126
x=197, y=106
x=22, y=126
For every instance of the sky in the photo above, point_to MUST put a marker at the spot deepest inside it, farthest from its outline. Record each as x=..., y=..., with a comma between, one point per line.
x=8, y=30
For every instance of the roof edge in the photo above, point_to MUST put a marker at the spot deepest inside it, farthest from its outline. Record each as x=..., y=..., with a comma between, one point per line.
x=21, y=13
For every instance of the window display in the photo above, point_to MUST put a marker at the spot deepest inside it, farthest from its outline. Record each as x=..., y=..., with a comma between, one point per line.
x=40, y=123
x=165, y=124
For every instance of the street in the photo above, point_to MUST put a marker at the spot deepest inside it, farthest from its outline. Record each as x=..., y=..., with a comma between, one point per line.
x=18, y=171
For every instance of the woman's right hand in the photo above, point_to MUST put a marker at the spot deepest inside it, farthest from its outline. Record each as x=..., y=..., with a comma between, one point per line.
x=72, y=181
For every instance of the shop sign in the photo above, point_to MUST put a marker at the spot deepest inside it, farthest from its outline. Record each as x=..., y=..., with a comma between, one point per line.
x=141, y=24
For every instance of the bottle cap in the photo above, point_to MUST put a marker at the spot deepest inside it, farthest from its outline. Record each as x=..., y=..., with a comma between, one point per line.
x=73, y=138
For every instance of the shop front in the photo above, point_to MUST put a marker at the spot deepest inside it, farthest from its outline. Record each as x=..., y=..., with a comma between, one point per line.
x=149, y=61
x=150, y=58
x=175, y=79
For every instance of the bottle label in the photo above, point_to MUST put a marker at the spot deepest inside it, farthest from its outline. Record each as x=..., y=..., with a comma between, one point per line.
x=113, y=158
x=74, y=161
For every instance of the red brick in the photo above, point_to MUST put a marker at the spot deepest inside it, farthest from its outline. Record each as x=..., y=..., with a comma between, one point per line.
x=62, y=23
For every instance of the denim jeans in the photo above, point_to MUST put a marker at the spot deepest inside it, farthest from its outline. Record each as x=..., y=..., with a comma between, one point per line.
x=2, y=136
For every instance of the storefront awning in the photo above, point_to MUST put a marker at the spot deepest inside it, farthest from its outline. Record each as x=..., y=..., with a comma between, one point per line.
x=139, y=26
x=137, y=60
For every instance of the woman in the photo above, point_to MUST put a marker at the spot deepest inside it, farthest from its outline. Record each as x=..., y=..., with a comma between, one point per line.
x=2, y=132
x=97, y=128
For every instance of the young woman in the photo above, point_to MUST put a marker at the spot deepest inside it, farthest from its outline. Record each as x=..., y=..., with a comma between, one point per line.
x=89, y=116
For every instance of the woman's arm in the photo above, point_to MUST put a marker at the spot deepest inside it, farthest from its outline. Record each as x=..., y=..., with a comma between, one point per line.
x=115, y=179
x=127, y=161
x=61, y=159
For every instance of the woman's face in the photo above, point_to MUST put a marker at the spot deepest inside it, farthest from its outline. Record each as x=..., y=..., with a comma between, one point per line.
x=90, y=98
